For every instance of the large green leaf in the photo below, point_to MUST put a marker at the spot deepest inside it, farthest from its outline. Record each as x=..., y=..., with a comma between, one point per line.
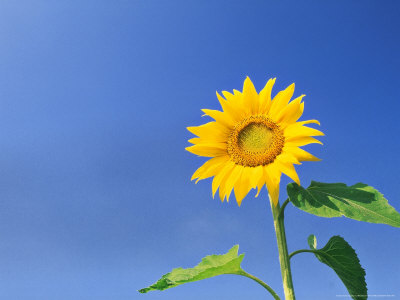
x=342, y=258
x=209, y=266
x=359, y=202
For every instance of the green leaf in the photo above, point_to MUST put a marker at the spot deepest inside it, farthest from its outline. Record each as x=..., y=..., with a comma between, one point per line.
x=209, y=266
x=359, y=202
x=312, y=241
x=342, y=258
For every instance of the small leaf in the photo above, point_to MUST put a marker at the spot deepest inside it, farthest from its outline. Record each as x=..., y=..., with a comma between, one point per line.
x=312, y=241
x=209, y=266
x=342, y=258
x=359, y=202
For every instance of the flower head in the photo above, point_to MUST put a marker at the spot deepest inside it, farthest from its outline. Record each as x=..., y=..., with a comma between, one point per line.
x=252, y=141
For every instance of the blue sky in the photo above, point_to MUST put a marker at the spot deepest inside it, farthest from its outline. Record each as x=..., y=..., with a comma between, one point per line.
x=95, y=193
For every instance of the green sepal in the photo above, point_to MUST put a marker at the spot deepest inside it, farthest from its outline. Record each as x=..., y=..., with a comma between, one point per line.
x=359, y=202
x=210, y=266
x=342, y=258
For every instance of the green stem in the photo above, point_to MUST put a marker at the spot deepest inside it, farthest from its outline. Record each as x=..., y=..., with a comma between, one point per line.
x=283, y=251
x=258, y=280
x=266, y=286
x=282, y=209
x=301, y=251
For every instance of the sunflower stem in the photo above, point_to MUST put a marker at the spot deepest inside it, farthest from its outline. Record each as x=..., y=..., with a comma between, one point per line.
x=282, y=209
x=283, y=251
x=259, y=281
x=303, y=251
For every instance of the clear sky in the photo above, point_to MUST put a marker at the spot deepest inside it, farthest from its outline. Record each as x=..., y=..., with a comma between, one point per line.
x=95, y=193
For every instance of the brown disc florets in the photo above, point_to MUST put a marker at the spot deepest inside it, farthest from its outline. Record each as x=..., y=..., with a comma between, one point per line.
x=255, y=141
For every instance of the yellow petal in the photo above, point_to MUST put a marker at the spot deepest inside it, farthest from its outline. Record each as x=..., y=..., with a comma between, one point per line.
x=256, y=174
x=272, y=181
x=295, y=130
x=273, y=192
x=211, y=131
x=308, y=122
x=273, y=172
x=229, y=96
x=222, y=187
x=201, y=143
x=292, y=112
x=232, y=179
x=208, y=143
x=288, y=169
x=235, y=99
x=220, y=176
x=289, y=157
x=237, y=94
x=280, y=101
x=232, y=106
x=240, y=192
x=220, y=117
x=261, y=181
x=221, y=100
x=210, y=168
x=265, y=97
x=243, y=186
x=301, y=141
x=250, y=96
x=206, y=150
x=301, y=154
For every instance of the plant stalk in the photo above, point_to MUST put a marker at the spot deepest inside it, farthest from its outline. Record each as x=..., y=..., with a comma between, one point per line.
x=283, y=251
x=303, y=251
x=259, y=281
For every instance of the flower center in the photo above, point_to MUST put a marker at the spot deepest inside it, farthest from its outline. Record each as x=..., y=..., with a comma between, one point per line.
x=256, y=140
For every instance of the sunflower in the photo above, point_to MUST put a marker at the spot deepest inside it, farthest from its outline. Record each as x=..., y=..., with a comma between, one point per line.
x=252, y=141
